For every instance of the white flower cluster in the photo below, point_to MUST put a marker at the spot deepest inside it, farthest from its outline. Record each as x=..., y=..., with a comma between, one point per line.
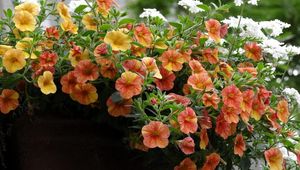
x=152, y=13
x=191, y=5
x=240, y=2
x=251, y=29
x=292, y=94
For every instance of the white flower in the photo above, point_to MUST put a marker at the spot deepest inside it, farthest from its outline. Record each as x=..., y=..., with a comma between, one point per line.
x=191, y=5
x=276, y=26
x=152, y=13
x=292, y=94
x=240, y=2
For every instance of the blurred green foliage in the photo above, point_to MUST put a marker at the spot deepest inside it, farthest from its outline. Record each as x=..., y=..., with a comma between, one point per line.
x=284, y=10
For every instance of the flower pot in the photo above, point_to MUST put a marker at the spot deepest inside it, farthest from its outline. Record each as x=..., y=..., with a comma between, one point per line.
x=52, y=142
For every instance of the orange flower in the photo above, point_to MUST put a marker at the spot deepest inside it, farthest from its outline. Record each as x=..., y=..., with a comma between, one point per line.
x=137, y=51
x=185, y=101
x=248, y=96
x=187, y=145
x=85, y=70
x=205, y=120
x=104, y=6
x=108, y=69
x=211, y=100
x=196, y=67
x=232, y=96
x=129, y=84
x=211, y=55
x=200, y=81
x=52, y=32
x=167, y=80
x=239, y=145
x=212, y=161
x=214, y=29
x=84, y=93
x=77, y=54
x=151, y=66
x=134, y=65
x=143, y=35
x=283, y=110
x=223, y=128
x=156, y=134
x=101, y=50
x=253, y=51
x=231, y=115
x=225, y=69
x=247, y=67
x=188, y=121
x=8, y=100
x=186, y=89
x=203, y=139
x=48, y=59
x=119, y=108
x=274, y=159
x=264, y=95
x=258, y=108
x=186, y=164
x=272, y=117
x=172, y=60
x=68, y=82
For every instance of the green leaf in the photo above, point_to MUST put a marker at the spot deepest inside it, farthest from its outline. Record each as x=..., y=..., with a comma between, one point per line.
x=127, y=21
x=138, y=44
x=225, y=8
x=206, y=8
x=176, y=25
x=105, y=27
x=8, y=13
x=80, y=9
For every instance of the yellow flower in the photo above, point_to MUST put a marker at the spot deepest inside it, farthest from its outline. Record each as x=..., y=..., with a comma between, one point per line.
x=75, y=57
x=89, y=21
x=14, y=60
x=63, y=11
x=24, y=21
x=26, y=44
x=32, y=8
x=69, y=26
x=16, y=32
x=118, y=40
x=4, y=48
x=46, y=83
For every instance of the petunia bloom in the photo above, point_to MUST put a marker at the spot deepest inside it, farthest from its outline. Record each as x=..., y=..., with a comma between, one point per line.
x=24, y=21
x=188, y=121
x=253, y=51
x=232, y=96
x=101, y=50
x=119, y=108
x=69, y=26
x=283, y=111
x=46, y=83
x=118, y=40
x=143, y=35
x=223, y=128
x=77, y=54
x=172, y=60
x=4, y=48
x=231, y=114
x=185, y=101
x=203, y=139
x=187, y=145
x=68, y=82
x=14, y=60
x=211, y=55
x=186, y=164
x=89, y=22
x=135, y=66
x=247, y=67
x=129, y=84
x=167, y=80
x=156, y=134
x=151, y=66
x=211, y=100
x=84, y=93
x=200, y=81
x=211, y=162
x=85, y=70
x=32, y=8
x=63, y=11
x=213, y=28
x=104, y=6
x=239, y=145
x=52, y=32
x=274, y=158
x=48, y=59
x=196, y=67
x=205, y=120
x=258, y=108
x=8, y=100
